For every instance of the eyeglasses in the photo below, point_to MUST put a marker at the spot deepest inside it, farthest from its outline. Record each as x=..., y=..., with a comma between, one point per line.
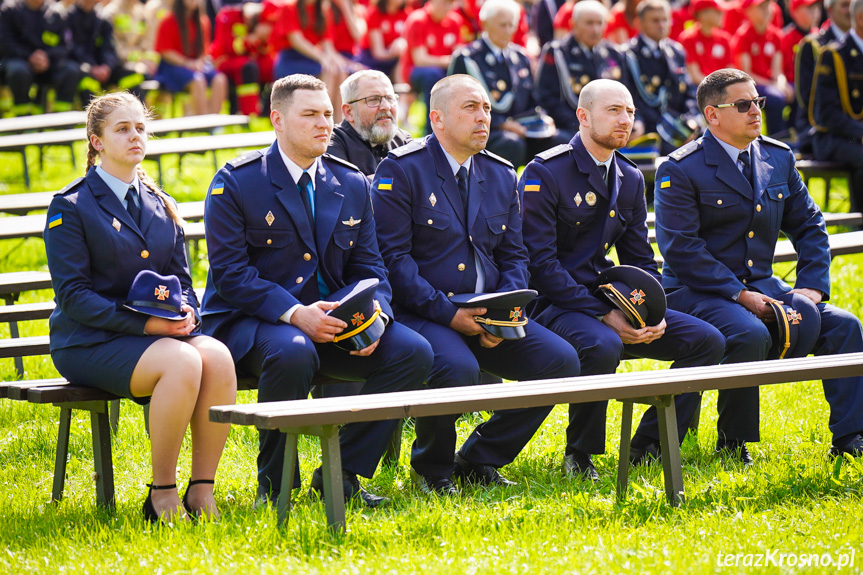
x=375, y=101
x=744, y=106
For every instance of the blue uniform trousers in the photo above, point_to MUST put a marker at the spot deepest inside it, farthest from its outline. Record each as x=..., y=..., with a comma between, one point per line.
x=687, y=341
x=748, y=339
x=458, y=361
x=286, y=360
x=422, y=79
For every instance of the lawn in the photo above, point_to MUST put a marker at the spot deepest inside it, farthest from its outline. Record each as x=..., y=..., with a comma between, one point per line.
x=792, y=503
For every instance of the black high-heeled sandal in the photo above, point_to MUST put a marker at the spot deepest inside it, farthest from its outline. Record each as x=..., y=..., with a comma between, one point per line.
x=150, y=511
x=186, y=495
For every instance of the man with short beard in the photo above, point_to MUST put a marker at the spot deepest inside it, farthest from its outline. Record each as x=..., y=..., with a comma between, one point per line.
x=370, y=127
x=580, y=200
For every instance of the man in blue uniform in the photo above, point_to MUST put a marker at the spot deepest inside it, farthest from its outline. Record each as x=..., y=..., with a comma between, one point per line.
x=566, y=65
x=286, y=227
x=837, y=98
x=580, y=199
x=504, y=71
x=448, y=223
x=663, y=94
x=721, y=202
x=34, y=48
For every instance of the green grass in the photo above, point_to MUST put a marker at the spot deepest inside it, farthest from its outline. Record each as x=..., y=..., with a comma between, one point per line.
x=794, y=500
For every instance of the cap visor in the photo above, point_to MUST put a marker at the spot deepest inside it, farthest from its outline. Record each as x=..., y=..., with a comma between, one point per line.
x=505, y=332
x=365, y=338
x=163, y=313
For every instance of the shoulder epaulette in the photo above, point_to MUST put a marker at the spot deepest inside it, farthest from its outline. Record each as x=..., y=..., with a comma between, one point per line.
x=775, y=142
x=409, y=148
x=623, y=157
x=494, y=156
x=341, y=161
x=555, y=151
x=73, y=184
x=681, y=153
x=245, y=159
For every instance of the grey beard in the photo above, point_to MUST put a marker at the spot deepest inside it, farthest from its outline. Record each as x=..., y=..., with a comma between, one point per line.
x=377, y=135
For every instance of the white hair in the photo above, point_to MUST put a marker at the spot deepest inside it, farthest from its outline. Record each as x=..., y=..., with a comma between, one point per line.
x=492, y=8
x=589, y=6
x=348, y=89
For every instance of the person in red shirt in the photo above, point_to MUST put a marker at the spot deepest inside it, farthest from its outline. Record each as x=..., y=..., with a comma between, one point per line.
x=735, y=16
x=233, y=53
x=756, y=49
x=181, y=41
x=563, y=19
x=623, y=22
x=708, y=47
x=433, y=32
x=682, y=18
x=383, y=43
x=470, y=12
x=805, y=15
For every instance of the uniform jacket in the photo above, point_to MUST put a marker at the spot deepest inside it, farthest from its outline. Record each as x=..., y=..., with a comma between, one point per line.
x=838, y=97
x=804, y=73
x=95, y=251
x=263, y=254
x=348, y=145
x=659, y=84
x=92, y=38
x=572, y=219
x=509, y=84
x=427, y=237
x=564, y=69
x=23, y=31
x=718, y=234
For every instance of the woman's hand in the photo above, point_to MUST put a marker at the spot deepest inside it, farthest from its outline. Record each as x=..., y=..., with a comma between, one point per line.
x=172, y=327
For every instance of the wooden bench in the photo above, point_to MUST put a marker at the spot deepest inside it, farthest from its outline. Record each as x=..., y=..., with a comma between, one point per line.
x=42, y=122
x=19, y=143
x=827, y=171
x=322, y=417
x=206, y=144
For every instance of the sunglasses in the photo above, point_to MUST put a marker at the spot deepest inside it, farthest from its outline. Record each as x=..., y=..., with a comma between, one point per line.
x=744, y=106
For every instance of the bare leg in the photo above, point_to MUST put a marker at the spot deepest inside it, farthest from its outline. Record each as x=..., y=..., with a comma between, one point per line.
x=218, y=387
x=218, y=94
x=170, y=371
x=198, y=92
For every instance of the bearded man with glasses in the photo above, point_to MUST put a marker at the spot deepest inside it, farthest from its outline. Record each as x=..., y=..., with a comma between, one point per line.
x=720, y=204
x=370, y=128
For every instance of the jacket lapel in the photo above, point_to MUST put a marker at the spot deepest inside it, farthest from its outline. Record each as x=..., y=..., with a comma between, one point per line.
x=476, y=191
x=762, y=169
x=150, y=204
x=448, y=184
x=726, y=168
x=109, y=202
x=289, y=195
x=328, y=206
x=587, y=166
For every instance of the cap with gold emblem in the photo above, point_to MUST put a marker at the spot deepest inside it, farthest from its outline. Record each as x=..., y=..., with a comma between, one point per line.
x=505, y=314
x=358, y=309
x=634, y=292
x=154, y=294
x=796, y=329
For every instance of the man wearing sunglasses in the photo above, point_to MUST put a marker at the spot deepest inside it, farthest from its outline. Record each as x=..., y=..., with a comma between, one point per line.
x=721, y=202
x=370, y=127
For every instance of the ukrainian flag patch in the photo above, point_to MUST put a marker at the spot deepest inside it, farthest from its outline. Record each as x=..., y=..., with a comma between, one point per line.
x=385, y=184
x=56, y=220
x=532, y=185
x=665, y=182
x=218, y=189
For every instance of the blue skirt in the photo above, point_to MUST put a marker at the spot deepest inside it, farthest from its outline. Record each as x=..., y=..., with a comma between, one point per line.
x=107, y=366
x=386, y=66
x=292, y=62
x=175, y=78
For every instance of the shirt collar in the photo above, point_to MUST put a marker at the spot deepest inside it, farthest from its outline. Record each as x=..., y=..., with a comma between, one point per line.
x=839, y=34
x=857, y=39
x=606, y=163
x=116, y=185
x=496, y=50
x=296, y=171
x=653, y=45
x=453, y=165
x=733, y=151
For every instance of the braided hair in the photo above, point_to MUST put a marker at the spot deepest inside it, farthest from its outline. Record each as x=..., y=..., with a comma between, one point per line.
x=97, y=114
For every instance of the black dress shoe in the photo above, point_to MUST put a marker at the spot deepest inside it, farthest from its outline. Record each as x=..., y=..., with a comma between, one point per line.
x=352, y=489
x=850, y=444
x=579, y=465
x=649, y=453
x=193, y=514
x=479, y=474
x=264, y=497
x=150, y=511
x=734, y=450
x=442, y=486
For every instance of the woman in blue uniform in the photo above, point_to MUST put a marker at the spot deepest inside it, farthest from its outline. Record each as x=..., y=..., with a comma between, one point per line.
x=103, y=229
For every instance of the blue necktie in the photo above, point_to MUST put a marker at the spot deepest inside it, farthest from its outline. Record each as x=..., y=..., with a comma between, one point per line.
x=747, y=166
x=132, y=205
x=307, y=192
x=461, y=176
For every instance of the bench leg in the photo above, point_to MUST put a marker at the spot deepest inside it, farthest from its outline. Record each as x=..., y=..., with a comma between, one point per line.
x=10, y=299
x=26, y=170
x=62, y=454
x=394, y=449
x=670, y=446
x=102, y=457
x=283, y=503
x=623, y=461
x=333, y=487
x=696, y=417
x=114, y=414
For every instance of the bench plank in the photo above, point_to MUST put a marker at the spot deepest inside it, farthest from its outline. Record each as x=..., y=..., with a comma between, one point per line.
x=43, y=121
x=24, y=346
x=26, y=311
x=12, y=283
